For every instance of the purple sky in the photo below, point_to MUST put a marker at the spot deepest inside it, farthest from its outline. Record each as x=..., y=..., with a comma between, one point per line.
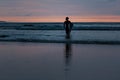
x=43, y=10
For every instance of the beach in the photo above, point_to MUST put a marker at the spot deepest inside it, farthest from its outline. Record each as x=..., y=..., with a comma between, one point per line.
x=58, y=61
x=59, y=39
x=41, y=51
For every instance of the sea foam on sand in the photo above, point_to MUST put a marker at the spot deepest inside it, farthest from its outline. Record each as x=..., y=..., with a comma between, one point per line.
x=58, y=36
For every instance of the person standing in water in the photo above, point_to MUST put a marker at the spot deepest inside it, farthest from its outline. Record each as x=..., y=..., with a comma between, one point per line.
x=68, y=27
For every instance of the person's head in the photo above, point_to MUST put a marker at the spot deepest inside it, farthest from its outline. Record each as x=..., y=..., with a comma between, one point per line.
x=67, y=18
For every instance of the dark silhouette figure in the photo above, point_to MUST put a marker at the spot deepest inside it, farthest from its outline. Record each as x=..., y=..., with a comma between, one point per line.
x=68, y=27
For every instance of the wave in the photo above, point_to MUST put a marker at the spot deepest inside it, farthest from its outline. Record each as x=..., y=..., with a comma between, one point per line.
x=61, y=41
x=54, y=39
x=79, y=37
x=59, y=26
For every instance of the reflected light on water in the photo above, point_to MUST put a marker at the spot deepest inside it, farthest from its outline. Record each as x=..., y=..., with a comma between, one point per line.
x=48, y=61
x=68, y=57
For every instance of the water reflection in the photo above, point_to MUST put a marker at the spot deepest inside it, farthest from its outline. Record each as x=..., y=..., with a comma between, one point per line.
x=68, y=56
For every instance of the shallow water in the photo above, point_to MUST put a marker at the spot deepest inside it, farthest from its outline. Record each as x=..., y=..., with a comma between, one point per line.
x=58, y=36
x=43, y=61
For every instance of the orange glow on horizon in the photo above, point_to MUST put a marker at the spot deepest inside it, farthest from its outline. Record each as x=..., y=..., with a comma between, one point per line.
x=62, y=18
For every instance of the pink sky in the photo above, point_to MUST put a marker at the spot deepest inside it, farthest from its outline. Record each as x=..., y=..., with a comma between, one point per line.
x=62, y=18
x=57, y=10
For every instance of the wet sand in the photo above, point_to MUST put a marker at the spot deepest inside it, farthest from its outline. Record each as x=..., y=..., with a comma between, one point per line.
x=59, y=61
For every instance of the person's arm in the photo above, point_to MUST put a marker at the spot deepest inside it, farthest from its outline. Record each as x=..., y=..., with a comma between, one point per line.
x=64, y=25
x=71, y=25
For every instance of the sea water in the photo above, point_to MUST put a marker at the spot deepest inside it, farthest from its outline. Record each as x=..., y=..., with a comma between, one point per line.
x=54, y=32
x=58, y=58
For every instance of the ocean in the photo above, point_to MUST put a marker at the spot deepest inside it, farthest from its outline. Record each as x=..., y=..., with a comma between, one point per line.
x=41, y=51
x=87, y=32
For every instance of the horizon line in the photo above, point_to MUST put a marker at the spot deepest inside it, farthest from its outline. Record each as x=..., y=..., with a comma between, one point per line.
x=57, y=22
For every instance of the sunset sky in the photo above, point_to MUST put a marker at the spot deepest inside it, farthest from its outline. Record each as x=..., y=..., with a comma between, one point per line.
x=57, y=10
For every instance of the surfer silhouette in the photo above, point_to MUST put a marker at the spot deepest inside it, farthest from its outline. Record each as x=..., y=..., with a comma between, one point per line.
x=68, y=27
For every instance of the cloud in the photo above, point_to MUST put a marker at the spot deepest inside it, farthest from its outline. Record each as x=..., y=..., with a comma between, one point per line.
x=43, y=8
x=59, y=7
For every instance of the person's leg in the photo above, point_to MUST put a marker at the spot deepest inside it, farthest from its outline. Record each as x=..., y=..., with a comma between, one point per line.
x=68, y=34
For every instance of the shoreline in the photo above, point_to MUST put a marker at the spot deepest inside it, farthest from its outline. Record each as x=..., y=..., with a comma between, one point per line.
x=69, y=42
